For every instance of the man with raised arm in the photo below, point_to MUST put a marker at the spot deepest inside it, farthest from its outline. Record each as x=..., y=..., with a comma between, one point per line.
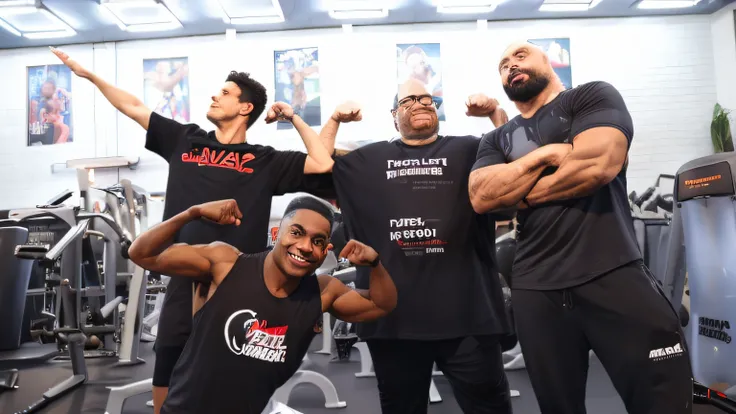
x=253, y=332
x=206, y=166
x=578, y=281
x=408, y=199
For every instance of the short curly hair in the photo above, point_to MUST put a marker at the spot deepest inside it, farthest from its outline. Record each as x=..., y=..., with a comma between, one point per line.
x=250, y=91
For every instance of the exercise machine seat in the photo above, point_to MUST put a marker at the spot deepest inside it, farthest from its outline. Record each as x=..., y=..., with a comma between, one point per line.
x=14, y=276
x=705, y=199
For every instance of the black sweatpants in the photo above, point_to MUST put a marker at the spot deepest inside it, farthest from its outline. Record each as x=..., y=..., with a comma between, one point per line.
x=633, y=330
x=473, y=366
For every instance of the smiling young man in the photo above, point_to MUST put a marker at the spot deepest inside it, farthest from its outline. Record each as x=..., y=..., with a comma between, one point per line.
x=252, y=333
x=578, y=279
x=206, y=166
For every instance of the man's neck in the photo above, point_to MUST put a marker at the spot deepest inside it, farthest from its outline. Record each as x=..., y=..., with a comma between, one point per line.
x=528, y=109
x=418, y=142
x=230, y=132
x=277, y=282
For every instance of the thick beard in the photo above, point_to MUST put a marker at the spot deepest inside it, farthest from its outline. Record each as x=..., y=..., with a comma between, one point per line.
x=528, y=90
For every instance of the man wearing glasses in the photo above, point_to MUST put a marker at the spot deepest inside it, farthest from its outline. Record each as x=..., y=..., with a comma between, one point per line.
x=408, y=199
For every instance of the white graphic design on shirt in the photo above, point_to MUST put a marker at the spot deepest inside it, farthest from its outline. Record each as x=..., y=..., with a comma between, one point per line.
x=415, y=167
x=416, y=236
x=256, y=340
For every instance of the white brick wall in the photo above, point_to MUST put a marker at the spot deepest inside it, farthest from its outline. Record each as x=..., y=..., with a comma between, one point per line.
x=663, y=66
x=724, y=47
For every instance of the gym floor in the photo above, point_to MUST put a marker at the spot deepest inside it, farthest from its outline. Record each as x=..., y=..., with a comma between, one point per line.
x=360, y=394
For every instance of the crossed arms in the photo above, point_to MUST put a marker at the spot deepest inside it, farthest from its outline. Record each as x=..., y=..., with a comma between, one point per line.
x=595, y=157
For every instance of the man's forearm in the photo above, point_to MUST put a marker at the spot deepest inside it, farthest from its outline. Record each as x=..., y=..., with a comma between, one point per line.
x=572, y=180
x=597, y=157
x=382, y=290
x=315, y=149
x=159, y=237
x=120, y=99
x=328, y=133
x=499, y=117
x=503, y=186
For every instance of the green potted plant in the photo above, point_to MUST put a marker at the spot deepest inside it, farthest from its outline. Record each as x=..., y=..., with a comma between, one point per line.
x=720, y=130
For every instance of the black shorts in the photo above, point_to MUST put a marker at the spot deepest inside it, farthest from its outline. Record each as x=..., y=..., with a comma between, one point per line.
x=629, y=324
x=166, y=358
x=473, y=366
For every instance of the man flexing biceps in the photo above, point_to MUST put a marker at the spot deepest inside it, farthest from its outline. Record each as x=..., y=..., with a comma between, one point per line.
x=256, y=327
x=408, y=199
x=214, y=165
x=578, y=279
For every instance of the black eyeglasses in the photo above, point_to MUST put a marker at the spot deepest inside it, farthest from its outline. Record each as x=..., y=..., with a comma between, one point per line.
x=425, y=100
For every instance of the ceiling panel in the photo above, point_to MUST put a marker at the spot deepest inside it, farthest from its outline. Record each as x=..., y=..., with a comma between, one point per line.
x=200, y=17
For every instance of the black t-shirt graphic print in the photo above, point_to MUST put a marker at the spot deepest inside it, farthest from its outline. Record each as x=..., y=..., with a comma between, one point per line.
x=245, y=343
x=201, y=170
x=566, y=243
x=411, y=204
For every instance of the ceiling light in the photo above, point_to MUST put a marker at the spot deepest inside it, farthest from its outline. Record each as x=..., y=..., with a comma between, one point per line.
x=666, y=4
x=349, y=9
x=140, y=15
x=239, y=13
x=568, y=5
x=466, y=6
x=9, y=28
x=32, y=22
x=11, y=3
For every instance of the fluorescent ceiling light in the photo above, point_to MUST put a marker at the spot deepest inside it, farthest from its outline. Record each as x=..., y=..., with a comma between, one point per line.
x=568, y=5
x=11, y=3
x=10, y=28
x=138, y=16
x=466, y=6
x=21, y=19
x=666, y=4
x=263, y=12
x=348, y=9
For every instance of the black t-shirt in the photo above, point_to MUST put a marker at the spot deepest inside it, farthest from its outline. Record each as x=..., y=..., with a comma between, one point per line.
x=245, y=343
x=202, y=170
x=567, y=243
x=411, y=204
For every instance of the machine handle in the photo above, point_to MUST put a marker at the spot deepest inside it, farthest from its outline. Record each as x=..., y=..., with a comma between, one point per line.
x=31, y=251
x=122, y=233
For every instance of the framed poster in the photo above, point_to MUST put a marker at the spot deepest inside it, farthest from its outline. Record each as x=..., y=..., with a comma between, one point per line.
x=296, y=77
x=166, y=87
x=423, y=62
x=49, y=112
x=558, y=51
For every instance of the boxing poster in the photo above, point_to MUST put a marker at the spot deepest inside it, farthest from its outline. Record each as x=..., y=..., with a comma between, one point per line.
x=423, y=62
x=558, y=51
x=166, y=87
x=49, y=105
x=296, y=74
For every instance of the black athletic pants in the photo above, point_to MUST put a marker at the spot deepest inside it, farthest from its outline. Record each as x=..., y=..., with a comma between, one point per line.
x=473, y=366
x=627, y=322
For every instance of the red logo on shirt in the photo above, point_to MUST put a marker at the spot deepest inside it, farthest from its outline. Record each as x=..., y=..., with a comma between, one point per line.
x=256, y=340
x=208, y=157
